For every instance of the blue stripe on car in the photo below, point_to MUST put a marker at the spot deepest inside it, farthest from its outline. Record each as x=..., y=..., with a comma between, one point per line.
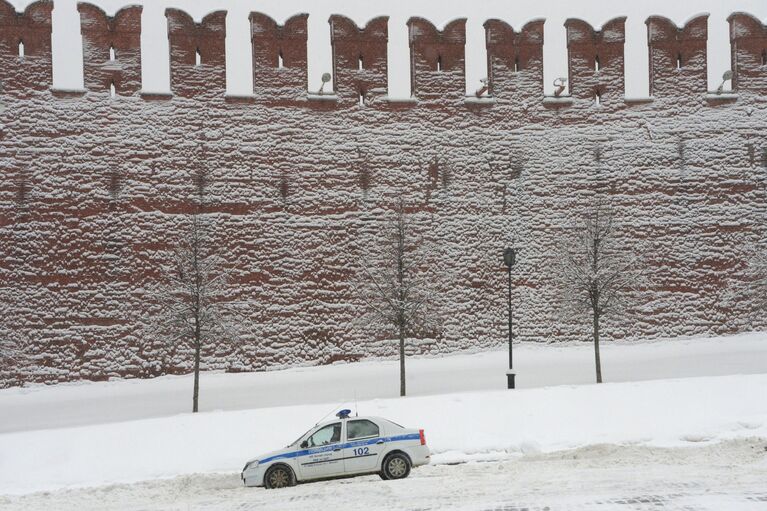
x=347, y=445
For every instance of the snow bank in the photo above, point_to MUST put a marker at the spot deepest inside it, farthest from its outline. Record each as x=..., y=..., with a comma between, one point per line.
x=459, y=427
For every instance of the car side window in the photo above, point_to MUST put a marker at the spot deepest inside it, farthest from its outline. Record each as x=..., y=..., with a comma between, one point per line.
x=361, y=429
x=329, y=434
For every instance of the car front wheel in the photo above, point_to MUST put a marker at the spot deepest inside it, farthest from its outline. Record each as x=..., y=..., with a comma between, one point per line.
x=396, y=466
x=279, y=476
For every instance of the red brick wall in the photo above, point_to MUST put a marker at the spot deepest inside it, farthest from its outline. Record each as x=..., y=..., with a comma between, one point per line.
x=437, y=60
x=94, y=189
x=359, y=59
x=186, y=39
x=120, y=33
x=270, y=41
x=515, y=61
x=595, y=60
x=748, y=42
x=32, y=72
x=677, y=55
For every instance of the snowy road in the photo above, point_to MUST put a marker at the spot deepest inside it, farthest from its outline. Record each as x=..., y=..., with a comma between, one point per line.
x=724, y=476
x=537, y=365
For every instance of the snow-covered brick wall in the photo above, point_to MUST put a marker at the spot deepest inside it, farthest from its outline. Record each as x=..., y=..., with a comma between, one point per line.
x=111, y=49
x=95, y=187
x=25, y=48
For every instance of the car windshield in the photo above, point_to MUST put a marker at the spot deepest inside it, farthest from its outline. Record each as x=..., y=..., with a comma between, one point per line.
x=291, y=444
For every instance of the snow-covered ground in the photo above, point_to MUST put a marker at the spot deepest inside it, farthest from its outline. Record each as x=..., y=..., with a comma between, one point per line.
x=488, y=425
x=693, y=439
x=537, y=365
x=727, y=476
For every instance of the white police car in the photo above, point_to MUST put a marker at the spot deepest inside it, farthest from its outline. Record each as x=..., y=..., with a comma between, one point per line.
x=343, y=447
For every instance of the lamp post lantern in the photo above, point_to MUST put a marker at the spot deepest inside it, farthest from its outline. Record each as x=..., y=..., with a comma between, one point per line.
x=509, y=258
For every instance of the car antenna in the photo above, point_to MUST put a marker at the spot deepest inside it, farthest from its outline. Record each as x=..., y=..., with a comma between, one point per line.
x=331, y=411
x=356, y=411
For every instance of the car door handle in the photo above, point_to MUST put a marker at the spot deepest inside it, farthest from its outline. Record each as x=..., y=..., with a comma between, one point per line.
x=379, y=442
x=336, y=449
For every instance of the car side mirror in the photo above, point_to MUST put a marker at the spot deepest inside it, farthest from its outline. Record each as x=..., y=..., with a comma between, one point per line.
x=304, y=444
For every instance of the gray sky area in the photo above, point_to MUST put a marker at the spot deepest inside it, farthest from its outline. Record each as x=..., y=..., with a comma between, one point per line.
x=67, y=54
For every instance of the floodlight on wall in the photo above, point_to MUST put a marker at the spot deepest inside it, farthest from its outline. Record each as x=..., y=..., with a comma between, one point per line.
x=485, y=86
x=560, y=84
x=325, y=79
x=725, y=78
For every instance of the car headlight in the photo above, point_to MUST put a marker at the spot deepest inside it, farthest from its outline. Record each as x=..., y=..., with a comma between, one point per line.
x=250, y=464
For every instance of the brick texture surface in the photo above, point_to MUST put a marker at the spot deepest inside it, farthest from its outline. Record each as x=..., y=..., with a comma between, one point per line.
x=95, y=189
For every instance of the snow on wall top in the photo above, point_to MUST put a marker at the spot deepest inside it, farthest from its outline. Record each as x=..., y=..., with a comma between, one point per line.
x=432, y=50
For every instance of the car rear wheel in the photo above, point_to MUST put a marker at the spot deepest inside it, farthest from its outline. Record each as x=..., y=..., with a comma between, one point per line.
x=279, y=476
x=395, y=466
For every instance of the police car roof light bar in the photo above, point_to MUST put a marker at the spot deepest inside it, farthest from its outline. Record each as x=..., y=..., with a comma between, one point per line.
x=344, y=414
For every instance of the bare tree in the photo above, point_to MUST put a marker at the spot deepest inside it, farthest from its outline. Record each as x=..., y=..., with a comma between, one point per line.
x=756, y=280
x=193, y=298
x=11, y=356
x=597, y=272
x=399, y=294
x=12, y=348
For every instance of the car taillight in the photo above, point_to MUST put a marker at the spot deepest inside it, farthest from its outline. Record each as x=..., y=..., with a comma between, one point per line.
x=423, y=437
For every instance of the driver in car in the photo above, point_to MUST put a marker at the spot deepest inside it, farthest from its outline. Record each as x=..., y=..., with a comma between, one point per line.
x=336, y=435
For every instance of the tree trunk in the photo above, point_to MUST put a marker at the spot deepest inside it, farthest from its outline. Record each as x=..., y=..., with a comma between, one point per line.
x=196, y=298
x=196, y=394
x=402, y=360
x=596, y=347
x=401, y=297
x=595, y=294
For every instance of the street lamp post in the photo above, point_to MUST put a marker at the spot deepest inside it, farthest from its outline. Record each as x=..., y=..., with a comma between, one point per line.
x=509, y=258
